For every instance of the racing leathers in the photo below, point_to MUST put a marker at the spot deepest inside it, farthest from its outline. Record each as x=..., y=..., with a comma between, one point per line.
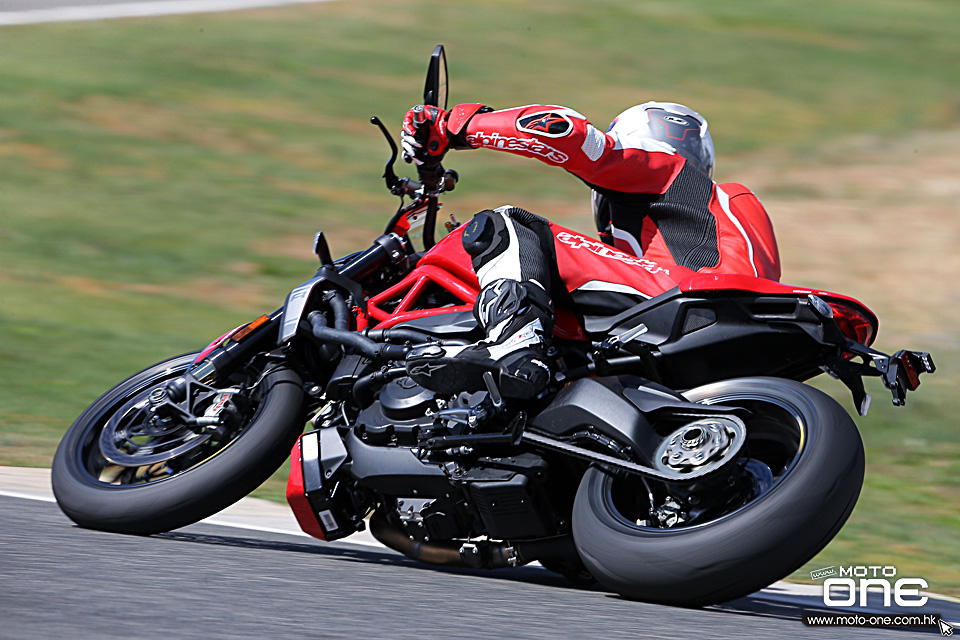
x=667, y=220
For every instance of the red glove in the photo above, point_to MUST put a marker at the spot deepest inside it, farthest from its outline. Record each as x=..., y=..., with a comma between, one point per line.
x=424, y=137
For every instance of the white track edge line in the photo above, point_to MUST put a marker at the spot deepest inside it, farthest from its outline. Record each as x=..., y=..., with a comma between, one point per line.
x=26, y=496
x=211, y=520
x=137, y=10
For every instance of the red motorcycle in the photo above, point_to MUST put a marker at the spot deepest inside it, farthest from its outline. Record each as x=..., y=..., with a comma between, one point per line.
x=676, y=456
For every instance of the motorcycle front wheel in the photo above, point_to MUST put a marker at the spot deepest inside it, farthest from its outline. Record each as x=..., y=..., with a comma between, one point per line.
x=807, y=456
x=116, y=471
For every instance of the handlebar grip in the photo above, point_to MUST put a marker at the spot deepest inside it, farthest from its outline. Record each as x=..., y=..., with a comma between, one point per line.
x=450, y=178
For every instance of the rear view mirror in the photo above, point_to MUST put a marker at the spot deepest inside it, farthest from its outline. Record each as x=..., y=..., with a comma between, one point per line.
x=435, y=90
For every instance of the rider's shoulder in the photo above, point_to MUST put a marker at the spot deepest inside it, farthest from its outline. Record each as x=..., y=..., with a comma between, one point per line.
x=734, y=189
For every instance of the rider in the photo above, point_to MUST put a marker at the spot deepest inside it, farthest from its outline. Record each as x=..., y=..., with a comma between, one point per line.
x=653, y=199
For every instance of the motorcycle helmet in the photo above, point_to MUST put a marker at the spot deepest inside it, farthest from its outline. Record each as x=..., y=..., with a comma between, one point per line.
x=657, y=126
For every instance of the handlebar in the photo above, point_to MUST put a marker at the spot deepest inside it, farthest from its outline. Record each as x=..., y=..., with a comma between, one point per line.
x=431, y=176
x=434, y=179
x=387, y=248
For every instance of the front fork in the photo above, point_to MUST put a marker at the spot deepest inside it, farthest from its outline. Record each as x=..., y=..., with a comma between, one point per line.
x=224, y=355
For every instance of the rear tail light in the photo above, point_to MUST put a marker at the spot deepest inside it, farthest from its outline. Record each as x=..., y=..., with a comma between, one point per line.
x=855, y=322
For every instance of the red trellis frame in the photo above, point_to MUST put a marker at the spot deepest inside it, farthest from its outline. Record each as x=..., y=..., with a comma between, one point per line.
x=409, y=291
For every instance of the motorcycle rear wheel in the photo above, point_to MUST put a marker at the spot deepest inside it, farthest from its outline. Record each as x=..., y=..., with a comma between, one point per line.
x=158, y=497
x=816, y=455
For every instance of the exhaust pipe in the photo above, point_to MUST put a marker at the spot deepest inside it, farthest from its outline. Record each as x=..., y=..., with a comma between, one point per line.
x=473, y=555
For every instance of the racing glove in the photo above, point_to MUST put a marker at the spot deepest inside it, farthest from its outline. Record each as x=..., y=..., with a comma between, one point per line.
x=428, y=132
x=424, y=137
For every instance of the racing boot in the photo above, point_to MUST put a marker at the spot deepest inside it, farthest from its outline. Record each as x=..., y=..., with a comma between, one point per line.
x=515, y=316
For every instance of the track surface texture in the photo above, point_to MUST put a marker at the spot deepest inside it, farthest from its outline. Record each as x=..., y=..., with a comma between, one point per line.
x=207, y=581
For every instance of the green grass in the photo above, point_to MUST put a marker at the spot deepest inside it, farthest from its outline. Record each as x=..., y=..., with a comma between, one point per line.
x=160, y=180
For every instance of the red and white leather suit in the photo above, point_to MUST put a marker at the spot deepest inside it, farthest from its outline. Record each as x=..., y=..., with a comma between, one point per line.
x=670, y=219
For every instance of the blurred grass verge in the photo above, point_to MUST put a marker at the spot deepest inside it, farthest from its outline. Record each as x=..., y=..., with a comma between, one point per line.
x=160, y=182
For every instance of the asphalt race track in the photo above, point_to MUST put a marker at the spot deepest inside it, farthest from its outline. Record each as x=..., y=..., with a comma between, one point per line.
x=207, y=581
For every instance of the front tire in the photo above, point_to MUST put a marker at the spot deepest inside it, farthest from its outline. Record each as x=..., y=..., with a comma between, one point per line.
x=144, y=502
x=754, y=544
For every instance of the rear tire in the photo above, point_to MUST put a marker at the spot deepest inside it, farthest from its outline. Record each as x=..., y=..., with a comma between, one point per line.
x=191, y=494
x=755, y=544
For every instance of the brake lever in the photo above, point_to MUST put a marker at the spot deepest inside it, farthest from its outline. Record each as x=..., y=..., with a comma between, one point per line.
x=389, y=175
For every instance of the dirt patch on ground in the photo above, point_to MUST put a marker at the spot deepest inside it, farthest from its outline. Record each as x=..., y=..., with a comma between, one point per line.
x=210, y=290
x=154, y=122
x=37, y=156
x=878, y=221
x=348, y=198
x=341, y=238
